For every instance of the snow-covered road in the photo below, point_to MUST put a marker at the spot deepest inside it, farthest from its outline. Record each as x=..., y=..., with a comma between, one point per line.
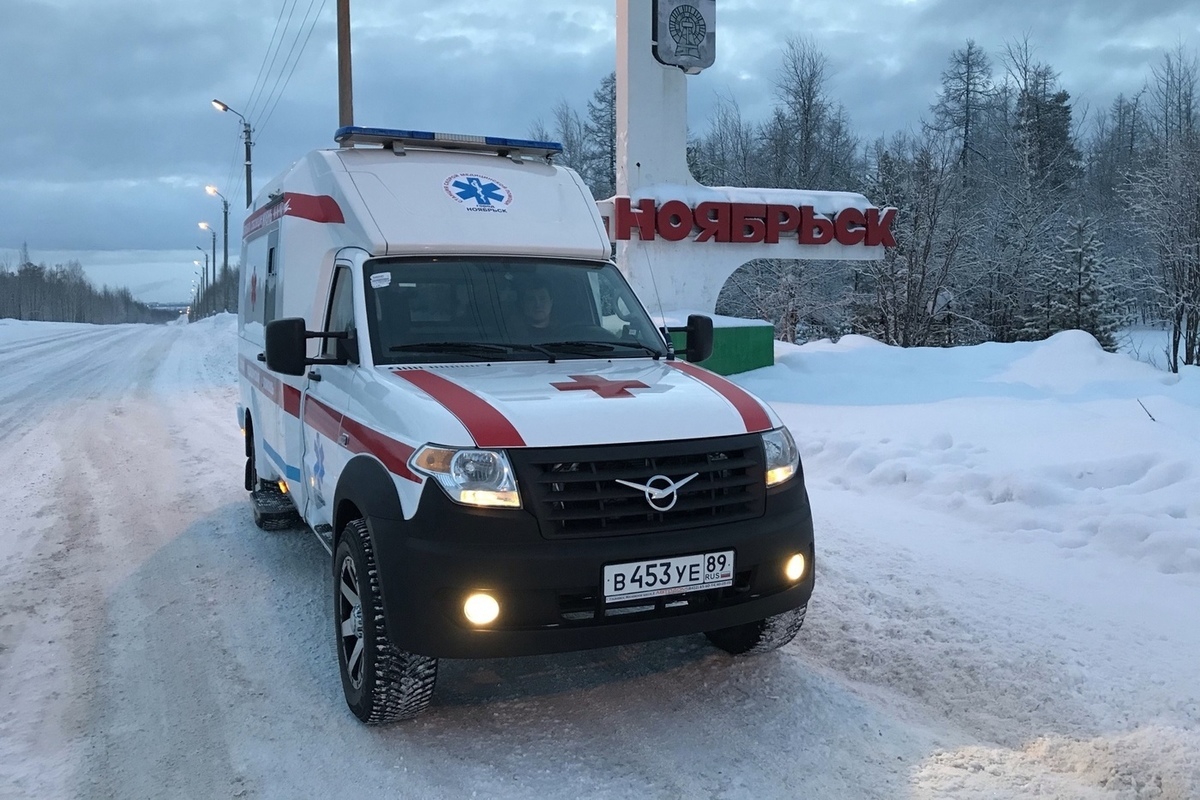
x=154, y=643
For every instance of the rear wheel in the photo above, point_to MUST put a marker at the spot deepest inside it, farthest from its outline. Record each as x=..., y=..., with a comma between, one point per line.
x=382, y=683
x=762, y=636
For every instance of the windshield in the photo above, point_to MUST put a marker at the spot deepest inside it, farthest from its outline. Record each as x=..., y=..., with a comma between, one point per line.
x=432, y=310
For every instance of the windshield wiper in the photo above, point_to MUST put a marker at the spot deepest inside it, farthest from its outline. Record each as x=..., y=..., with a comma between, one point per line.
x=465, y=348
x=536, y=348
x=599, y=348
x=482, y=349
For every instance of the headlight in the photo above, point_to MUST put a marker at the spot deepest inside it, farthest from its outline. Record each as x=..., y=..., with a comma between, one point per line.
x=471, y=477
x=783, y=459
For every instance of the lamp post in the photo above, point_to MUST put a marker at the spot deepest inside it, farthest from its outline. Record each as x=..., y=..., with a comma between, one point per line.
x=203, y=288
x=246, y=132
x=195, y=295
x=213, y=231
x=212, y=190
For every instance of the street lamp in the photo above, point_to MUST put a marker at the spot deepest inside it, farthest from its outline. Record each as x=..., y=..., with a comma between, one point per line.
x=246, y=132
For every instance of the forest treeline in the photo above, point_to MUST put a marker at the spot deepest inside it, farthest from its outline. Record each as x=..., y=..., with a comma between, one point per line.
x=63, y=293
x=1019, y=216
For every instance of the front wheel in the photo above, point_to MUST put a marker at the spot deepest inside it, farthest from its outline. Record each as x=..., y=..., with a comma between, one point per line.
x=382, y=683
x=761, y=636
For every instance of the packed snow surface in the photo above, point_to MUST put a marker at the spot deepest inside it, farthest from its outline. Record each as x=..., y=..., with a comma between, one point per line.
x=1007, y=601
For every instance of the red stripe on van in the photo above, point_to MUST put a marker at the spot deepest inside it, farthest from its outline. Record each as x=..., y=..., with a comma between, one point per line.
x=291, y=400
x=313, y=207
x=322, y=419
x=393, y=454
x=359, y=438
x=753, y=414
x=262, y=380
x=487, y=426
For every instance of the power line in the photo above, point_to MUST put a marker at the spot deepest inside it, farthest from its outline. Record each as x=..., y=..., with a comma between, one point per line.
x=266, y=102
x=259, y=79
x=255, y=102
x=295, y=63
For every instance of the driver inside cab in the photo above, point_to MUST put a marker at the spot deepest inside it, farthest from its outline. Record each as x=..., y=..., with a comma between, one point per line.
x=537, y=306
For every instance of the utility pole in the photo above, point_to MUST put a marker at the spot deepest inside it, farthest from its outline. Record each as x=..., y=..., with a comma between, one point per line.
x=225, y=263
x=249, y=191
x=214, y=251
x=345, y=82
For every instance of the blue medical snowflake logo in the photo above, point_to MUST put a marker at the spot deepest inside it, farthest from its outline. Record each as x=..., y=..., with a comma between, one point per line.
x=478, y=192
x=319, y=466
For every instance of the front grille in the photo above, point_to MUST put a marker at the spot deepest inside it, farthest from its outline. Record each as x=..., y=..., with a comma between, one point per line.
x=574, y=490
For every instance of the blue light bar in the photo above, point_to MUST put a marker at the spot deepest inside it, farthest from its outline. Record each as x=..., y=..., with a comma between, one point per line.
x=391, y=137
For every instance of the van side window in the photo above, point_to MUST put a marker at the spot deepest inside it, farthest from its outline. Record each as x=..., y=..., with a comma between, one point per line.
x=341, y=310
x=269, y=283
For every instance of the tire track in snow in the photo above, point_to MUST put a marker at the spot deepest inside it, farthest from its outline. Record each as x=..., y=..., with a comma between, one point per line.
x=111, y=499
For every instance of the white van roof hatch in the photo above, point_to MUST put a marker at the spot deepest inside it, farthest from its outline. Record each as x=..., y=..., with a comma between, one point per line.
x=396, y=140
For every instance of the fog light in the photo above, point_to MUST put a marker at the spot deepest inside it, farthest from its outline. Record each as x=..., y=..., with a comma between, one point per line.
x=283, y=487
x=795, y=567
x=480, y=609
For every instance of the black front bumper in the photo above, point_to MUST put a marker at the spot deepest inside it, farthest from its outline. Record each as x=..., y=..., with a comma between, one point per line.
x=549, y=590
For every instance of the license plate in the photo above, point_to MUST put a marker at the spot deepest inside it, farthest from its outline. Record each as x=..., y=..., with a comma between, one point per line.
x=638, y=580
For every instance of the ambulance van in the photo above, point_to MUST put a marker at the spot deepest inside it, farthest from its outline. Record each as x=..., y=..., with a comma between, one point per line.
x=446, y=378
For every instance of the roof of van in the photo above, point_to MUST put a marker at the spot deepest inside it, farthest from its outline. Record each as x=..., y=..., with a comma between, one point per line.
x=416, y=200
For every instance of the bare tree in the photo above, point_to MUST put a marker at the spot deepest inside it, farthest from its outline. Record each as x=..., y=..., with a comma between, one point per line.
x=600, y=139
x=801, y=90
x=962, y=103
x=727, y=155
x=1164, y=198
x=912, y=296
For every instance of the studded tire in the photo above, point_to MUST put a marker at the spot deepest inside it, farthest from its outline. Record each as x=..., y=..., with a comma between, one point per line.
x=762, y=636
x=382, y=683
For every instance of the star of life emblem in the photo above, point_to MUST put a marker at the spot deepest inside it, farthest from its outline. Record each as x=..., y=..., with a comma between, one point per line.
x=316, y=478
x=478, y=192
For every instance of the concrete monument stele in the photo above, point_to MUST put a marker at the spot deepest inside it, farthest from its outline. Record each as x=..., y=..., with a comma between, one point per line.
x=677, y=240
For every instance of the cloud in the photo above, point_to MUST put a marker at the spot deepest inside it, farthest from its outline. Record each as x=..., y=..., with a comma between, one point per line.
x=110, y=137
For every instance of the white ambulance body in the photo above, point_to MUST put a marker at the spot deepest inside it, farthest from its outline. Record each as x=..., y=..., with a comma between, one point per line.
x=445, y=377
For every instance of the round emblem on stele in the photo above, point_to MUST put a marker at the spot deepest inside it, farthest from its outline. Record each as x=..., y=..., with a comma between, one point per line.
x=687, y=28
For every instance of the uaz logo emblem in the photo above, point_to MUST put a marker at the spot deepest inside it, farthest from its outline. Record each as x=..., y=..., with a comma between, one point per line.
x=661, y=497
x=478, y=192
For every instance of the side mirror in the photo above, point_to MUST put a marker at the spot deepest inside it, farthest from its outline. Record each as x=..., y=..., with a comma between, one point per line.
x=286, y=346
x=699, y=338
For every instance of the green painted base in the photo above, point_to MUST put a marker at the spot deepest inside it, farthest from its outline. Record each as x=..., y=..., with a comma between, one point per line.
x=736, y=348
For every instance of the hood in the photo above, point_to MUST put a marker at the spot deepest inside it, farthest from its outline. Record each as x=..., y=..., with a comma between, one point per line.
x=577, y=402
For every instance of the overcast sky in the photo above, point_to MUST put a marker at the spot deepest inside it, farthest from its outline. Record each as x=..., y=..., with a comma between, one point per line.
x=108, y=135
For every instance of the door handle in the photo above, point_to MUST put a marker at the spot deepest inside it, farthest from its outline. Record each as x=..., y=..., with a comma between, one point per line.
x=343, y=438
